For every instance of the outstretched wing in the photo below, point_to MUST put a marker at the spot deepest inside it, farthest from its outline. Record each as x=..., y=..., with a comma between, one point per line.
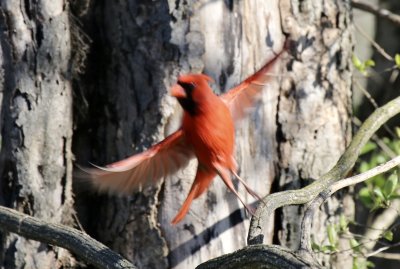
x=146, y=168
x=242, y=97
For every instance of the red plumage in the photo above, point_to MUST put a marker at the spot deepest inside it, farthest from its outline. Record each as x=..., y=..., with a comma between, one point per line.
x=207, y=133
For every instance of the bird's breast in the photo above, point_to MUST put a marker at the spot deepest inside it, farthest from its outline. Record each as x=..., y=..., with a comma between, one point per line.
x=211, y=135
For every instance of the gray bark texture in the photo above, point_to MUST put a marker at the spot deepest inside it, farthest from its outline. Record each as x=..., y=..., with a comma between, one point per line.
x=314, y=108
x=139, y=56
x=136, y=50
x=297, y=132
x=36, y=125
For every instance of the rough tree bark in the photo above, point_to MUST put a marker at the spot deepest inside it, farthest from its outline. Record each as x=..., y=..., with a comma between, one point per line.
x=302, y=129
x=138, y=57
x=137, y=50
x=36, y=125
x=314, y=107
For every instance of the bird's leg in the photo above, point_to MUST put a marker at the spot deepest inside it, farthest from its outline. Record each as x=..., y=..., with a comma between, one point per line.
x=224, y=174
x=249, y=190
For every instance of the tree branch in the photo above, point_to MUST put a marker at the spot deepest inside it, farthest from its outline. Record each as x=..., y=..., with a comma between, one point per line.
x=340, y=170
x=305, y=237
x=390, y=256
x=88, y=249
x=381, y=223
x=380, y=12
x=366, y=175
x=259, y=256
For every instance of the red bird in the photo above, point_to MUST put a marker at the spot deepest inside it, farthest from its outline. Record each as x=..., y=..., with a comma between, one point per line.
x=207, y=132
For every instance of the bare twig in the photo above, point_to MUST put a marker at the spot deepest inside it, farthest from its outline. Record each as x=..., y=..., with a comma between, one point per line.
x=380, y=12
x=306, y=223
x=88, y=249
x=366, y=93
x=381, y=144
x=383, y=221
x=388, y=256
x=364, y=176
x=374, y=43
x=305, y=238
x=340, y=170
x=375, y=105
x=393, y=256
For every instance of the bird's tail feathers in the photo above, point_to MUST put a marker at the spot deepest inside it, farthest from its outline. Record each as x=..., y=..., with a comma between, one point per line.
x=199, y=186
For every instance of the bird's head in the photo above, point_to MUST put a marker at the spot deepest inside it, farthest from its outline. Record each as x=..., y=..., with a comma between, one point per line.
x=191, y=90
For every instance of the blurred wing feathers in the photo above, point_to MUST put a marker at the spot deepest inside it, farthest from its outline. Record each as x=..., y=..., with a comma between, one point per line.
x=145, y=168
x=242, y=97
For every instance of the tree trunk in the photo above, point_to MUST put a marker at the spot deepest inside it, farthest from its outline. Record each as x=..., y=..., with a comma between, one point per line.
x=298, y=131
x=137, y=49
x=314, y=109
x=36, y=125
x=138, y=57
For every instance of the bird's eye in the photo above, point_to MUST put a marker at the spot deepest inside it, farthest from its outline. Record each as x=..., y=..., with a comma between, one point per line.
x=188, y=87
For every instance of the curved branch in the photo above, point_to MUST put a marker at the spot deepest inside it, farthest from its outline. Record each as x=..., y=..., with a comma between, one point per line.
x=381, y=223
x=259, y=256
x=340, y=170
x=366, y=175
x=88, y=249
x=305, y=237
x=380, y=12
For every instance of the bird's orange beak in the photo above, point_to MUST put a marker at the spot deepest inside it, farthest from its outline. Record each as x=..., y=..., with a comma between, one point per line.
x=178, y=92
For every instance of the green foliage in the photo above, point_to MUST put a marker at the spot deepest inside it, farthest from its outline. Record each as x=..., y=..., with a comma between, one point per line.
x=397, y=60
x=343, y=224
x=362, y=264
x=362, y=66
x=377, y=192
x=332, y=235
x=388, y=235
x=341, y=230
x=355, y=245
x=381, y=189
x=331, y=247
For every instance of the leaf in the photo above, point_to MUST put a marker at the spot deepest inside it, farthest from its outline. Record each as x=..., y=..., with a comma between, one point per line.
x=365, y=196
x=355, y=245
x=379, y=199
x=396, y=146
x=328, y=248
x=362, y=66
x=316, y=247
x=332, y=234
x=379, y=194
x=397, y=129
x=394, y=196
x=368, y=147
x=390, y=185
x=369, y=264
x=380, y=159
x=343, y=222
x=369, y=63
x=356, y=263
x=388, y=235
x=356, y=62
x=397, y=60
x=364, y=167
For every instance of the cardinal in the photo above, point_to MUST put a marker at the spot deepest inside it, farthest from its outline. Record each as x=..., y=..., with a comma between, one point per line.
x=207, y=133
